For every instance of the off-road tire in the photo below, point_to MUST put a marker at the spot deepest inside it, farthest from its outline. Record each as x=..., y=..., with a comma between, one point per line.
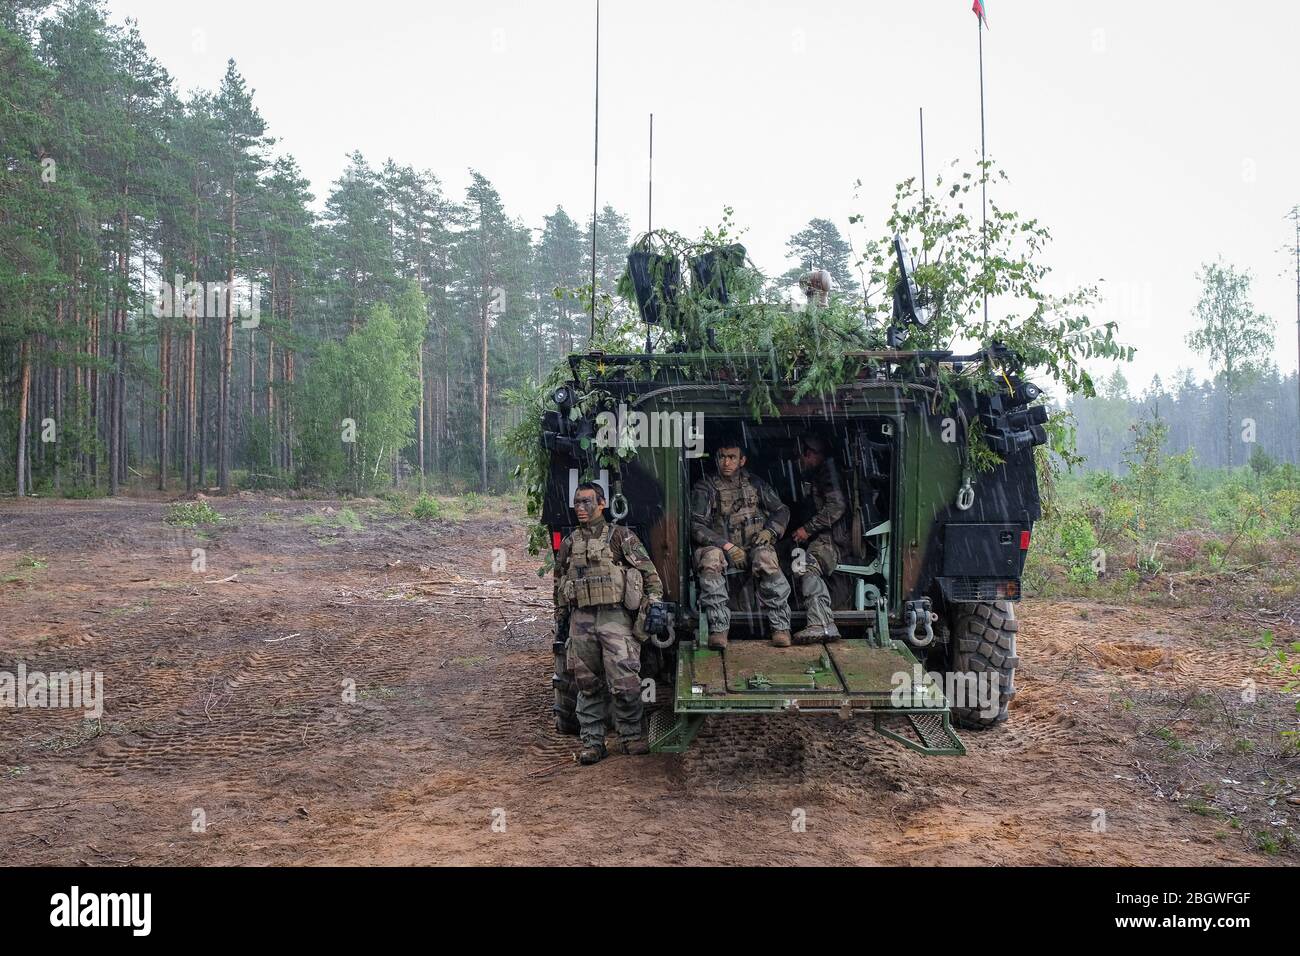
x=984, y=641
x=566, y=699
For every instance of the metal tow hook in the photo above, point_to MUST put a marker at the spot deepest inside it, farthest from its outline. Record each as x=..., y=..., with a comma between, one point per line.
x=663, y=643
x=619, y=507
x=925, y=617
x=965, y=497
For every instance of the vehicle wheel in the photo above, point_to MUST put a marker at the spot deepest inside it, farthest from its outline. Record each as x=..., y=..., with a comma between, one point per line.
x=566, y=699
x=984, y=642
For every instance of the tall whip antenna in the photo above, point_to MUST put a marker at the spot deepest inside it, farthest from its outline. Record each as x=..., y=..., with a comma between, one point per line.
x=925, y=257
x=595, y=176
x=650, y=205
x=978, y=8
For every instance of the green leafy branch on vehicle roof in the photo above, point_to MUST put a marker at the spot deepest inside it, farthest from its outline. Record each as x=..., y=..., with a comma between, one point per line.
x=960, y=261
x=758, y=338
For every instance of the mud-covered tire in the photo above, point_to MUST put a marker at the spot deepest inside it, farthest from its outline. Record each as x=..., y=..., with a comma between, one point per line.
x=566, y=699
x=984, y=642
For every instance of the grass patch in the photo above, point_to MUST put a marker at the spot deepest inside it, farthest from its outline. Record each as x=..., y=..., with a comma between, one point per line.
x=1268, y=843
x=1171, y=739
x=475, y=661
x=89, y=730
x=1203, y=809
x=191, y=514
x=25, y=567
x=130, y=608
x=344, y=519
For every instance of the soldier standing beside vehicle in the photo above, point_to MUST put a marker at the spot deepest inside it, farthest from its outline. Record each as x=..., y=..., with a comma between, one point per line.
x=820, y=554
x=736, y=518
x=603, y=576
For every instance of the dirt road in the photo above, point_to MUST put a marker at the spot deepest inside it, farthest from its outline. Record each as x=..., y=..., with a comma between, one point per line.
x=368, y=690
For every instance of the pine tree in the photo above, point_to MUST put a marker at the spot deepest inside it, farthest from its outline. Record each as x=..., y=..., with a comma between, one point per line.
x=819, y=245
x=361, y=268
x=563, y=265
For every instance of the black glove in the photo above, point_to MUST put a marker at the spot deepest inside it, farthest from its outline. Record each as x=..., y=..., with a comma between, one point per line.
x=658, y=619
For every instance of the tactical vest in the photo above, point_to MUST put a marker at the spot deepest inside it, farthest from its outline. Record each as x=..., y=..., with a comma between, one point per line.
x=740, y=511
x=593, y=578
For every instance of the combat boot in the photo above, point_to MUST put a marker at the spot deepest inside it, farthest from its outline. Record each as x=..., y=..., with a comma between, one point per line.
x=634, y=746
x=591, y=753
x=717, y=640
x=780, y=638
x=814, y=633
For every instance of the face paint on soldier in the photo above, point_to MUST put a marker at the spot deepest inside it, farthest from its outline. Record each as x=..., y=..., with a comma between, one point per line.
x=730, y=461
x=587, y=506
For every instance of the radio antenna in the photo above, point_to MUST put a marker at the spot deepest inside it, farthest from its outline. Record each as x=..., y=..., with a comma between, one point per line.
x=650, y=206
x=925, y=256
x=595, y=177
x=649, y=216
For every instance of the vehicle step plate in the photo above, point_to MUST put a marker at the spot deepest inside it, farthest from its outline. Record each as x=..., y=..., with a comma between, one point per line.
x=868, y=669
x=758, y=667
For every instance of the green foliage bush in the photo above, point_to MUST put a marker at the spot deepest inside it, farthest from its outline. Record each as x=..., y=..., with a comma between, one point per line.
x=1078, y=543
x=191, y=514
x=426, y=508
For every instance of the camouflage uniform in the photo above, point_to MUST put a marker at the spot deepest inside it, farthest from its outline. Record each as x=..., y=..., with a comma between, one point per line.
x=735, y=510
x=820, y=552
x=603, y=651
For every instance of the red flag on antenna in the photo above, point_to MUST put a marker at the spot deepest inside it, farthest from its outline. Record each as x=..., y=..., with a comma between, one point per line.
x=980, y=9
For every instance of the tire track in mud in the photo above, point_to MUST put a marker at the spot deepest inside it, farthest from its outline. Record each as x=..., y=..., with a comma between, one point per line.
x=784, y=751
x=246, y=708
x=1147, y=646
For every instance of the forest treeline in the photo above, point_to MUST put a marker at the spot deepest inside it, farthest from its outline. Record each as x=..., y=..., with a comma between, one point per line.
x=177, y=309
x=172, y=310
x=1225, y=427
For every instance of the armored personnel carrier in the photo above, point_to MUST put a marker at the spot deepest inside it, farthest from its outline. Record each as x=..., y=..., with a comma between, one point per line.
x=925, y=593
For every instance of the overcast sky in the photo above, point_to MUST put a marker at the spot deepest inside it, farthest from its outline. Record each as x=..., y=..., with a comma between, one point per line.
x=1149, y=137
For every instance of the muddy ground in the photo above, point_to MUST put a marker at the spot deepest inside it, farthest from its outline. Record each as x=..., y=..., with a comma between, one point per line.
x=230, y=736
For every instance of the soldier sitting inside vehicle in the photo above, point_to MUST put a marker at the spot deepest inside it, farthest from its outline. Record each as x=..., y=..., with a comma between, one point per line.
x=603, y=575
x=736, y=518
x=819, y=555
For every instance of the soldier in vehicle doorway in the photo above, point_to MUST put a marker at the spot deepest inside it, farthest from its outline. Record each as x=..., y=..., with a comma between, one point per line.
x=816, y=539
x=603, y=576
x=736, y=518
